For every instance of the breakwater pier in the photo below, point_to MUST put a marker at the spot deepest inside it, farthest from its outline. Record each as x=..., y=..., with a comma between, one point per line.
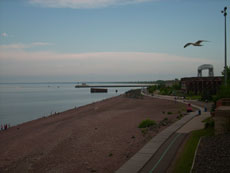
x=113, y=86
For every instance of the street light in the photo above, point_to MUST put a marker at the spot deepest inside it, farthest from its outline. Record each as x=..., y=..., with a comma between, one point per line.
x=225, y=48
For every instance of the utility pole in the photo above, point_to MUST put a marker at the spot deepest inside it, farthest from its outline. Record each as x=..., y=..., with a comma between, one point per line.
x=225, y=47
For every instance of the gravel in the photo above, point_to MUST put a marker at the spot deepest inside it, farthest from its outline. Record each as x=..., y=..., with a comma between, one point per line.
x=213, y=155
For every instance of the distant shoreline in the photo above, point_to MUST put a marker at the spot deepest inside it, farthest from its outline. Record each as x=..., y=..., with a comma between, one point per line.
x=131, y=82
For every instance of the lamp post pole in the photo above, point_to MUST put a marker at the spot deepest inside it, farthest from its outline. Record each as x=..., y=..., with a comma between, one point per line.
x=225, y=47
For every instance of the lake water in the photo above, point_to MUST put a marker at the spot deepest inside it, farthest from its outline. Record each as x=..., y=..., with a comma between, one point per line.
x=24, y=102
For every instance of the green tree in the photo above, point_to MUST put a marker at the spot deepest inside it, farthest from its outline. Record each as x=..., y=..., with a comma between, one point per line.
x=152, y=89
x=177, y=86
x=228, y=74
x=224, y=92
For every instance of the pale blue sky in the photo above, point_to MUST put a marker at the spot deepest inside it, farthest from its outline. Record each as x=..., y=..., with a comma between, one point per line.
x=110, y=40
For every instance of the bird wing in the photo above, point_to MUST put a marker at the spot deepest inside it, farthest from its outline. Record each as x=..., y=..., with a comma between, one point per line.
x=188, y=44
x=199, y=41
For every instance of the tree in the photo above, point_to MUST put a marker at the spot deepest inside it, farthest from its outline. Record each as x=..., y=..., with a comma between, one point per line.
x=228, y=74
x=224, y=92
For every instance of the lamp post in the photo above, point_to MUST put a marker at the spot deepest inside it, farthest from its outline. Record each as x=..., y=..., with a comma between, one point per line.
x=225, y=47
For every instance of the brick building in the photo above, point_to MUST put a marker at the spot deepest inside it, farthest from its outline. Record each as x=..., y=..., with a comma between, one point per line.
x=198, y=85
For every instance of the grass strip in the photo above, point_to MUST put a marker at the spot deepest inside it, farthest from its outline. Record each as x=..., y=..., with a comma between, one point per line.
x=194, y=97
x=185, y=159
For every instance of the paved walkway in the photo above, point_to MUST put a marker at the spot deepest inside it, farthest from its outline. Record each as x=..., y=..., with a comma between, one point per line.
x=144, y=160
x=195, y=124
x=162, y=159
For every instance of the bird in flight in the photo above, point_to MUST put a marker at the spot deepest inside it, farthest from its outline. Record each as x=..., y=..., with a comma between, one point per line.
x=195, y=44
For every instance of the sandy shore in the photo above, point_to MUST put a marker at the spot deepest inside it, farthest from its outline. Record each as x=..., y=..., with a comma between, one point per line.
x=99, y=137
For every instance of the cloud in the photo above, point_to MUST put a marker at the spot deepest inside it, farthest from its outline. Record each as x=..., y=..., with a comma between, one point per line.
x=24, y=46
x=84, y=3
x=21, y=62
x=4, y=34
x=13, y=46
x=41, y=44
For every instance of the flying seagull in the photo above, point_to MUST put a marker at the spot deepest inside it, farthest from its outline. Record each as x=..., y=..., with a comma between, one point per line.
x=195, y=44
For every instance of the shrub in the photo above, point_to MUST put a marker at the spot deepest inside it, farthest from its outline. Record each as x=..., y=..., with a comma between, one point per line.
x=165, y=119
x=224, y=92
x=164, y=122
x=166, y=91
x=209, y=122
x=147, y=123
x=151, y=89
x=179, y=116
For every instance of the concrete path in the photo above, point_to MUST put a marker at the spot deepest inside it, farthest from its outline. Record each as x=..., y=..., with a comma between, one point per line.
x=151, y=157
x=164, y=156
x=195, y=124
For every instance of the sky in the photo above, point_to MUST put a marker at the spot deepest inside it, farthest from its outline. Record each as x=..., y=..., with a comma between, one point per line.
x=110, y=40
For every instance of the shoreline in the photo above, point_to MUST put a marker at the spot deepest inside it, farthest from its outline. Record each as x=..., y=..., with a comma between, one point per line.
x=24, y=102
x=53, y=113
x=58, y=113
x=98, y=136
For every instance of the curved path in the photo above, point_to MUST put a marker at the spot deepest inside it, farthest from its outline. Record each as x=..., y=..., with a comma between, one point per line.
x=157, y=155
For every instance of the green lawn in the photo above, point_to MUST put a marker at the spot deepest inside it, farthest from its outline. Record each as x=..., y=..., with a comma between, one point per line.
x=194, y=97
x=184, y=162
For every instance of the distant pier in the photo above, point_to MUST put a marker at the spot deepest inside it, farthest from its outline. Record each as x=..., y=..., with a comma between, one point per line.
x=113, y=86
x=98, y=90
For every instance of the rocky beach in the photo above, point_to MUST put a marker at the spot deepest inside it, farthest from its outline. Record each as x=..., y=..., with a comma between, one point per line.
x=99, y=137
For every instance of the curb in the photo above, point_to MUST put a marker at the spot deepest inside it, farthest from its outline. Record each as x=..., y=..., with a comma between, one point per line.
x=194, y=157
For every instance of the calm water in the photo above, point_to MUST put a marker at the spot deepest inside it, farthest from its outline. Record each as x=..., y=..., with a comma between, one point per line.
x=24, y=102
